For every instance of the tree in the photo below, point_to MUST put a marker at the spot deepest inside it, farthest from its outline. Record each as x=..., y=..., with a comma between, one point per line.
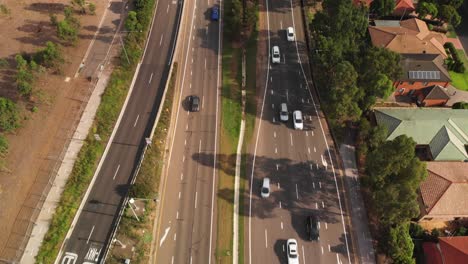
x=250, y=14
x=342, y=22
x=399, y=245
x=24, y=76
x=449, y=14
x=50, y=56
x=382, y=7
x=131, y=23
x=53, y=19
x=344, y=94
x=370, y=137
x=460, y=105
x=377, y=68
x=66, y=32
x=9, y=115
x=393, y=175
x=232, y=18
x=425, y=8
x=455, y=3
x=81, y=5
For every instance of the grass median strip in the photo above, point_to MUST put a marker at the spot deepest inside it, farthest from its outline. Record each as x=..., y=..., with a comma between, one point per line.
x=230, y=123
x=230, y=127
x=108, y=111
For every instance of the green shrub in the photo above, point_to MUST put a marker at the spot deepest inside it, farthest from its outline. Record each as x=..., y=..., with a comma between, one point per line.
x=3, y=63
x=53, y=19
x=92, y=8
x=50, y=56
x=24, y=76
x=66, y=32
x=3, y=145
x=455, y=63
x=460, y=105
x=9, y=115
x=459, y=67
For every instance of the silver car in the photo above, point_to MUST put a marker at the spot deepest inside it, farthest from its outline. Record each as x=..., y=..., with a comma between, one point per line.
x=297, y=120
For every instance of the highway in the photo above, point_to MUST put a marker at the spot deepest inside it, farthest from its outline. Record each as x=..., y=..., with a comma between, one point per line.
x=187, y=224
x=92, y=230
x=298, y=163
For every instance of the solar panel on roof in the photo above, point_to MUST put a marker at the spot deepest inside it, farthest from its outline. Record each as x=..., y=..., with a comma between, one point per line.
x=424, y=75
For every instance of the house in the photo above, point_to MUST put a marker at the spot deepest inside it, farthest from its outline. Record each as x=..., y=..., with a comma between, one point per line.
x=444, y=193
x=402, y=7
x=407, y=36
x=449, y=250
x=434, y=95
x=441, y=134
x=421, y=71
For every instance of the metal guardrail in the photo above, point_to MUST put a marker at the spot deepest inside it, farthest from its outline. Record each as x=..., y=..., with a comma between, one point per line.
x=147, y=140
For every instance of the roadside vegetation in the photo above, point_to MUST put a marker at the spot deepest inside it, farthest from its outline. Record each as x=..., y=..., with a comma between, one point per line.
x=349, y=72
x=106, y=116
x=239, y=33
x=351, y=75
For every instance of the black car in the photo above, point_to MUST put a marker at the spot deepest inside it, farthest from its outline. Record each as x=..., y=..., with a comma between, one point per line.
x=194, y=103
x=312, y=228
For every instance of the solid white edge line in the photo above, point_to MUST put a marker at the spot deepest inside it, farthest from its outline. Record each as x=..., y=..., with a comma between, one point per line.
x=220, y=29
x=325, y=139
x=258, y=133
x=98, y=169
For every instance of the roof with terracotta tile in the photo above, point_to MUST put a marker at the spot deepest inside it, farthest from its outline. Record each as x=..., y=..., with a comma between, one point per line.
x=405, y=4
x=432, y=253
x=407, y=36
x=454, y=249
x=445, y=190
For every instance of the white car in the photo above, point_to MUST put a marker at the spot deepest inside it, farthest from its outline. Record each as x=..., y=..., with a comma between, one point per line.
x=297, y=120
x=290, y=34
x=284, y=114
x=275, y=55
x=293, y=257
x=265, y=192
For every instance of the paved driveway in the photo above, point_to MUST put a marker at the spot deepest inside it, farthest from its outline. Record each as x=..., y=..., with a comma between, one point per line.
x=456, y=95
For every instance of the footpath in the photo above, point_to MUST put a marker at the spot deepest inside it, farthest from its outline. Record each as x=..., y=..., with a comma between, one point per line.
x=357, y=210
x=97, y=67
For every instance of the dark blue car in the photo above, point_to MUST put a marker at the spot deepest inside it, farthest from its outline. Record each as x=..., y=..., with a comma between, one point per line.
x=215, y=13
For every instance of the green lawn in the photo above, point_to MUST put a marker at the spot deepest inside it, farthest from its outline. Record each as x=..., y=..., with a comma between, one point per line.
x=460, y=80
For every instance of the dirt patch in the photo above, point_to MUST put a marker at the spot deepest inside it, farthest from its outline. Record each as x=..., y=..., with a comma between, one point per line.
x=37, y=147
x=429, y=225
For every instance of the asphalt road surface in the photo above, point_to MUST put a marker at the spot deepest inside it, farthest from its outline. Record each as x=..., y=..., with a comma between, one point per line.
x=93, y=228
x=298, y=163
x=187, y=224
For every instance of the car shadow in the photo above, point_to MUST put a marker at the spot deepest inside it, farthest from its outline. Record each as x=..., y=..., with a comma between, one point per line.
x=280, y=250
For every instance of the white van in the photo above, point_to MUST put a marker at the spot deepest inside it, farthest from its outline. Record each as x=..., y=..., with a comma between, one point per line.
x=265, y=188
x=284, y=114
